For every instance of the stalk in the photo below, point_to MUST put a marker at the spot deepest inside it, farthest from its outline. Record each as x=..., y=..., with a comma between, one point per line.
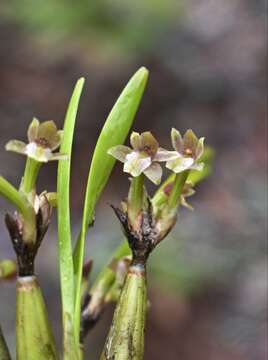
x=33, y=332
x=4, y=353
x=179, y=182
x=30, y=175
x=23, y=206
x=125, y=340
x=95, y=300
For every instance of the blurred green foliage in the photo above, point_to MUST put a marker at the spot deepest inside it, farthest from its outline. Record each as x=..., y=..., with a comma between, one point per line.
x=115, y=24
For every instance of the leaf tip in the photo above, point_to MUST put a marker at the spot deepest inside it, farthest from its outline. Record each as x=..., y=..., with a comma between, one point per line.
x=143, y=73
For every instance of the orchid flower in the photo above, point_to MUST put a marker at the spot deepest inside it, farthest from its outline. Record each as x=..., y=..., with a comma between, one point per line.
x=188, y=151
x=43, y=139
x=143, y=157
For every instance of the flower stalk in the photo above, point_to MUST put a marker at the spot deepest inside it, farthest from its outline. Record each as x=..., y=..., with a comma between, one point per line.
x=180, y=180
x=28, y=216
x=30, y=175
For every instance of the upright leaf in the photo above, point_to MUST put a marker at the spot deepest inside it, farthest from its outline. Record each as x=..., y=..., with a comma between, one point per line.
x=64, y=226
x=114, y=132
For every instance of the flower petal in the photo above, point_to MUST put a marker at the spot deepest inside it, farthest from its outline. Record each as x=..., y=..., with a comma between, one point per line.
x=119, y=152
x=185, y=203
x=200, y=148
x=57, y=143
x=16, y=146
x=177, y=141
x=154, y=173
x=38, y=153
x=135, y=164
x=33, y=130
x=180, y=164
x=58, y=156
x=190, y=141
x=149, y=144
x=135, y=140
x=165, y=155
x=48, y=130
x=198, y=166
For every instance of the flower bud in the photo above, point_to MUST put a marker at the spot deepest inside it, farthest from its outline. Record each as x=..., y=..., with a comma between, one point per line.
x=8, y=269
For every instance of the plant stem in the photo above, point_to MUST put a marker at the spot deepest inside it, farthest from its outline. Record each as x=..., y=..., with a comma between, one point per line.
x=23, y=206
x=30, y=175
x=4, y=352
x=97, y=293
x=126, y=337
x=33, y=330
x=135, y=200
x=136, y=197
x=179, y=182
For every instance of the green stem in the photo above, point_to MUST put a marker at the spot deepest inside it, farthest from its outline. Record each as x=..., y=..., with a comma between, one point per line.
x=23, y=206
x=126, y=336
x=137, y=193
x=4, y=353
x=34, y=337
x=177, y=187
x=30, y=175
x=12, y=194
x=100, y=288
x=135, y=199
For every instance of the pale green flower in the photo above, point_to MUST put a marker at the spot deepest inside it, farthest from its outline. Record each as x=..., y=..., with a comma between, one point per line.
x=43, y=139
x=143, y=157
x=189, y=149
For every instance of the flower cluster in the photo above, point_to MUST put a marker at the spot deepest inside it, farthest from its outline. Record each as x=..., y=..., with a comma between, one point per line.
x=145, y=154
x=147, y=221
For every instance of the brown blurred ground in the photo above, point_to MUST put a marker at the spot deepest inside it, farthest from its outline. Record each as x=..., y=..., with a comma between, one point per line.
x=208, y=72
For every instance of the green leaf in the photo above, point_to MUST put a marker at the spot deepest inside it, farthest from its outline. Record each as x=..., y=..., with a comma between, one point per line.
x=64, y=226
x=114, y=132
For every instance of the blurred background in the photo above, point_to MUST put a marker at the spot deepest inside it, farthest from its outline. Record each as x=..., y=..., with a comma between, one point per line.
x=207, y=62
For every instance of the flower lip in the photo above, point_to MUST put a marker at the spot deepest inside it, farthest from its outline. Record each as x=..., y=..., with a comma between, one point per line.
x=42, y=142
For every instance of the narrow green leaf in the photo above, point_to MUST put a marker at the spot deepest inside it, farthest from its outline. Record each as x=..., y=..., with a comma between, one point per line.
x=64, y=226
x=114, y=132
